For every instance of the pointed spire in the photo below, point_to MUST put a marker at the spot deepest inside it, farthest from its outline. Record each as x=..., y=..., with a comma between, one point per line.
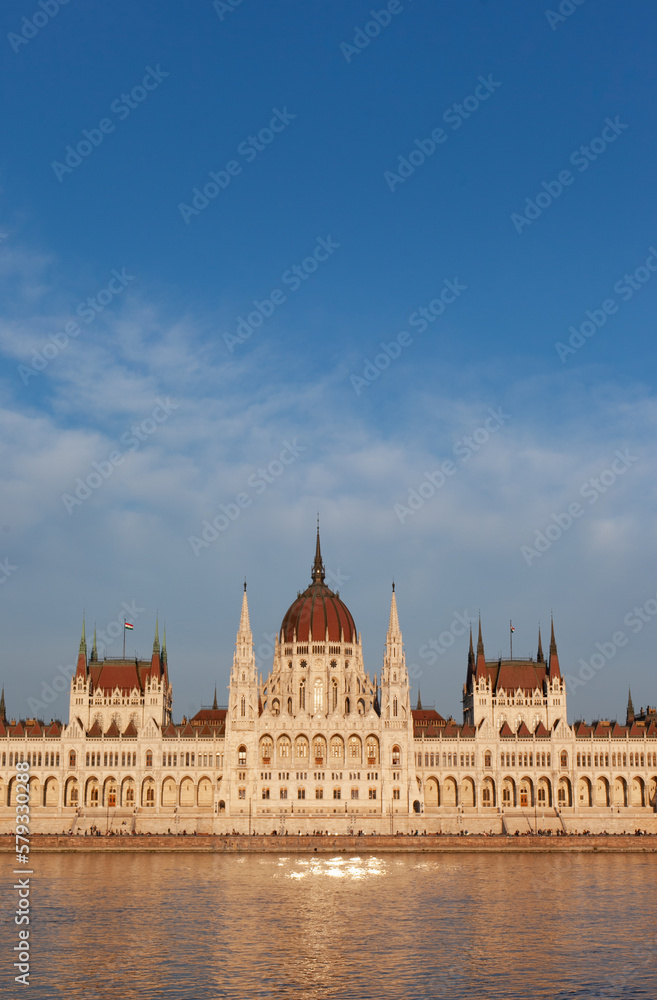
x=553, y=669
x=3, y=710
x=419, y=701
x=480, y=670
x=245, y=624
x=81, y=668
x=83, y=639
x=629, y=719
x=471, y=659
x=164, y=644
x=214, y=703
x=318, y=565
x=539, y=655
x=156, y=640
x=393, y=624
x=94, y=648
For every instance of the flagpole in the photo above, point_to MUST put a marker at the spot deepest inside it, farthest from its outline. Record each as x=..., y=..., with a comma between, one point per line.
x=124, y=638
x=510, y=637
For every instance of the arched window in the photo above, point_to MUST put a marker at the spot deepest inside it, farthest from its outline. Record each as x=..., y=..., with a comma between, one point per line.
x=266, y=747
x=488, y=762
x=396, y=757
x=354, y=748
x=71, y=758
x=318, y=699
x=485, y=796
x=150, y=796
x=149, y=758
x=94, y=795
x=289, y=706
x=243, y=707
x=302, y=695
x=372, y=750
x=334, y=688
x=241, y=756
x=394, y=707
x=346, y=706
x=130, y=795
x=74, y=795
x=564, y=758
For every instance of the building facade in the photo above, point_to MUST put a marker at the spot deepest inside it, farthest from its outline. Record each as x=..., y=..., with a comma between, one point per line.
x=320, y=744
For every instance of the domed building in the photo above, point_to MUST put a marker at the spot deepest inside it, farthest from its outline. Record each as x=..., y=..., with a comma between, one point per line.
x=316, y=736
x=320, y=744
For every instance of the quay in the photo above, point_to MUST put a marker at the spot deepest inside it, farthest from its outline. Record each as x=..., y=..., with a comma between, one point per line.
x=337, y=844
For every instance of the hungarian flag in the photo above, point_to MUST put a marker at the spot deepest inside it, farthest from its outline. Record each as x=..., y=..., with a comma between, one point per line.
x=512, y=628
x=127, y=625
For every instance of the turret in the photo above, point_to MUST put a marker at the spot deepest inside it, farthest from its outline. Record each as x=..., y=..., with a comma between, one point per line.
x=395, y=693
x=81, y=669
x=553, y=668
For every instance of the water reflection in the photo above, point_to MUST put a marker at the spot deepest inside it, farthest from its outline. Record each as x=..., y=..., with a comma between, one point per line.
x=454, y=926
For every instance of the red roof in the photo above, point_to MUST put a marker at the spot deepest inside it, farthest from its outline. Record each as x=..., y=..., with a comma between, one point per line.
x=314, y=612
x=113, y=729
x=54, y=729
x=541, y=732
x=509, y=675
x=210, y=716
x=523, y=731
x=130, y=730
x=123, y=674
x=506, y=731
x=95, y=730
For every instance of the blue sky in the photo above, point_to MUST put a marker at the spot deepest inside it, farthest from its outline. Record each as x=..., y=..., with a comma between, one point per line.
x=486, y=167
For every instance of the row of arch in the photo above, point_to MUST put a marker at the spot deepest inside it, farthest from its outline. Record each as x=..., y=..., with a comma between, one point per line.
x=527, y=792
x=335, y=748
x=114, y=794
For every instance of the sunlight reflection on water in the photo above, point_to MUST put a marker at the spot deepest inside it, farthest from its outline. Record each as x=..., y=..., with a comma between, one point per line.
x=563, y=927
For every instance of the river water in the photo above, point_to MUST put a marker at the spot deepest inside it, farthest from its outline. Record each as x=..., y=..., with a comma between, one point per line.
x=114, y=927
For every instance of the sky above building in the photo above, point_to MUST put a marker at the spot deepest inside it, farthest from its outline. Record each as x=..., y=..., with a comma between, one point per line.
x=392, y=263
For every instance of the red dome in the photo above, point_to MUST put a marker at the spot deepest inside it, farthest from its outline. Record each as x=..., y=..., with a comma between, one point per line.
x=317, y=610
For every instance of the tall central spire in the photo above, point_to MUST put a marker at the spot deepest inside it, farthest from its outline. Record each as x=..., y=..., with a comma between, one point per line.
x=318, y=565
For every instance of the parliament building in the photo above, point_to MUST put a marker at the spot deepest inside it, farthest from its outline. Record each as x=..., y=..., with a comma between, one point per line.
x=322, y=744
